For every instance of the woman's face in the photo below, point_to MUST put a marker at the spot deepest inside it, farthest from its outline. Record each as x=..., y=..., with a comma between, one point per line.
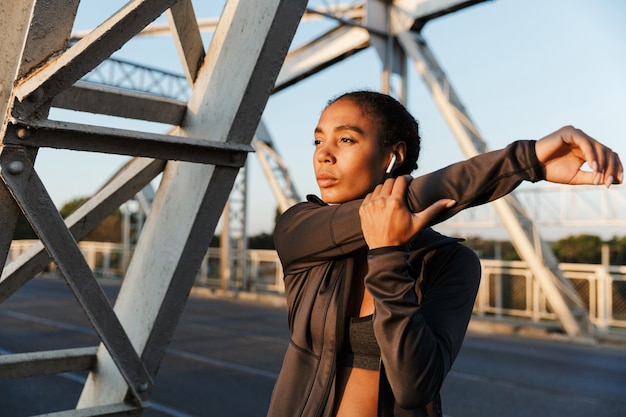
x=348, y=161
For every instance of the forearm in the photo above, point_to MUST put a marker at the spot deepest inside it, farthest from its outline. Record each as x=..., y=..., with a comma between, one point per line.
x=410, y=354
x=419, y=343
x=478, y=180
x=309, y=232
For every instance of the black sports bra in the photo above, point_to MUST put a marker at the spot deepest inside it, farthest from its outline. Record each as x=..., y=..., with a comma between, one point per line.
x=359, y=349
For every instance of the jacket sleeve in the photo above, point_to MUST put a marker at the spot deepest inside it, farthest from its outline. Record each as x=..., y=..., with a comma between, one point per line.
x=478, y=180
x=419, y=342
x=312, y=232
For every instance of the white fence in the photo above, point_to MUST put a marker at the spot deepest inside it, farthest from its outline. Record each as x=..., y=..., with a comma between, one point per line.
x=507, y=288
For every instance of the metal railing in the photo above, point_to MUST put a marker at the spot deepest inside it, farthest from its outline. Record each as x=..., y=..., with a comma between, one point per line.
x=507, y=288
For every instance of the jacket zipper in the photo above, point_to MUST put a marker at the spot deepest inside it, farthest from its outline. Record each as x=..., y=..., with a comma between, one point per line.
x=343, y=288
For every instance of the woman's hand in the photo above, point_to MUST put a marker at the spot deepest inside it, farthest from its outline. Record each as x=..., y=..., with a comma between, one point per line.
x=564, y=152
x=385, y=216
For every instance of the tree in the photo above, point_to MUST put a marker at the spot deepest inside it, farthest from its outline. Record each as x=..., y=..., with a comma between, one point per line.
x=261, y=241
x=486, y=249
x=579, y=249
x=617, y=250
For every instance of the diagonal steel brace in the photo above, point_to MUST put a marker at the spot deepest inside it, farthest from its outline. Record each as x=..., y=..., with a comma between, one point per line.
x=17, y=172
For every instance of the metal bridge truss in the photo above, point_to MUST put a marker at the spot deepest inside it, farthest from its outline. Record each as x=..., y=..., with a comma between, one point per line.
x=199, y=159
x=557, y=207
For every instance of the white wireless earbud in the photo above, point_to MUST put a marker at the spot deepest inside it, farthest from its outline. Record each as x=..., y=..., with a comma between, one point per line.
x=391, y=164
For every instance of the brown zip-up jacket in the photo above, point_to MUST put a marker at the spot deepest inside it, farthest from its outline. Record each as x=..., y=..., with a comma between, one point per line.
x=423, y=302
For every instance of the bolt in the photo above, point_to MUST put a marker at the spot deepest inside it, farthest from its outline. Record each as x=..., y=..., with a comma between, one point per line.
x=143, y=387
x=15, y=167
x=23, y=133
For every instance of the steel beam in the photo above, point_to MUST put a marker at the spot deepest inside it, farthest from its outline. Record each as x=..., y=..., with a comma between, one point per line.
x=187, y=38
x=230, y=92
x=79, y=137
x=17, y=172
x=128, y=181
x=99, y=99
x=24, y=365
x=15, y=20
x=64, y=70
x=333, y=46
x=276, y=172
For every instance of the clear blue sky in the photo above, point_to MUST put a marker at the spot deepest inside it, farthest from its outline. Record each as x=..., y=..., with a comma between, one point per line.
x=522, y=68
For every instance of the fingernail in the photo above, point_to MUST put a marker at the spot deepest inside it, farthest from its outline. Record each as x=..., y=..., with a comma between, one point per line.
x=620, y=177
x=594, y=166
x=597, y=178
x=609, y=181
x=450, y=203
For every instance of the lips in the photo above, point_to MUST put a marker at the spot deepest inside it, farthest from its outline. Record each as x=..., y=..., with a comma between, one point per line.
x=325, y=180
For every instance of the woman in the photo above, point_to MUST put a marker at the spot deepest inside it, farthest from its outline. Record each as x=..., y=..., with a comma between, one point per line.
x=378, y=304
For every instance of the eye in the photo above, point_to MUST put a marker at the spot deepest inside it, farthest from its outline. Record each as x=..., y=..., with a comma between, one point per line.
x=316, y=142
x=346, y=140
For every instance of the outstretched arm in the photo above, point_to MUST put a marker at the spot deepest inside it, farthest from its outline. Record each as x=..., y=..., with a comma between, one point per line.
x=557, y=158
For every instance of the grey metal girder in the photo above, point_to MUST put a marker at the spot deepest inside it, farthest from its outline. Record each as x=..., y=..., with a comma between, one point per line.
x=110, y=101
x=41, y=86
x=18, y=174
x=24, y=365
x=230, y=92
x=79, y=137
x=127, y=182
x=231, y=84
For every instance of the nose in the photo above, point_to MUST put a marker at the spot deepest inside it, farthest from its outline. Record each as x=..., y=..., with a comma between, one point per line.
x=324, y=154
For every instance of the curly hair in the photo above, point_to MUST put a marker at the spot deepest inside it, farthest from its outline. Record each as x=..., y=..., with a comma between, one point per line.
x=395, y=124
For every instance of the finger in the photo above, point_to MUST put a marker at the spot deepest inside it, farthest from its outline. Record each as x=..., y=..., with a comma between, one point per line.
x=620, y=170
x=604, y=163
x=590, y=148
x=426, y=216
x=399, y=187
x=387, y=186
x=610, y=170
x=614, y=172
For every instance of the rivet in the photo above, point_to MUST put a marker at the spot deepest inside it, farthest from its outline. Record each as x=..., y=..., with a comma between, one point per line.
x=143, y=387
x=15, y=167
x=23, y=133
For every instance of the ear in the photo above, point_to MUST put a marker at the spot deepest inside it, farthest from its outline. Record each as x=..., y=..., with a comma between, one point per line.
x=399, y=149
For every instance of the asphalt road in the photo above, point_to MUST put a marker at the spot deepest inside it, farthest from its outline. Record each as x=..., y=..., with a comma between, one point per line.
x=226, y=353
